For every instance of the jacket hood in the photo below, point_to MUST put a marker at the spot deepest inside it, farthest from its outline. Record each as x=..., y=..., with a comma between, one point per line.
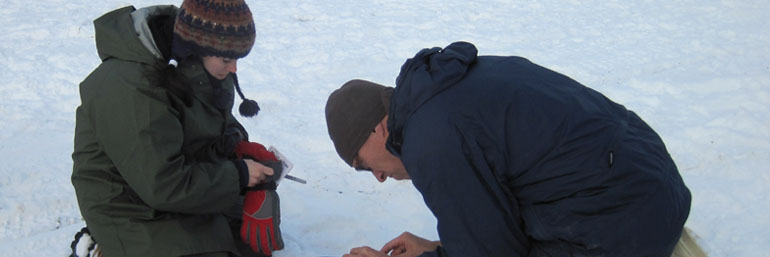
x=425, y=75
x=125, y=34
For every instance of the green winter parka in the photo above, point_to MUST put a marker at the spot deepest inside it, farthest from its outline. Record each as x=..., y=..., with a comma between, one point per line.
x=149, y=178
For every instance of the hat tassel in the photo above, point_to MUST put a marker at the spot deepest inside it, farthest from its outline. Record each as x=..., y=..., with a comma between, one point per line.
x=248, y=108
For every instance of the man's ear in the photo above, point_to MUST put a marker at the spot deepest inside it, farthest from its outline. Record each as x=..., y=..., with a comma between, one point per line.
x=383, y=126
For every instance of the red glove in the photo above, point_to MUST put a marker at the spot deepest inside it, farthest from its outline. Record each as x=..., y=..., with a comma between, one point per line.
x=261, y=220
x=253, y=150
x=261, y=208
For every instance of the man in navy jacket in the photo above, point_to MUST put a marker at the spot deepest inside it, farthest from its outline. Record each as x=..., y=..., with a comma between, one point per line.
x=512, y=158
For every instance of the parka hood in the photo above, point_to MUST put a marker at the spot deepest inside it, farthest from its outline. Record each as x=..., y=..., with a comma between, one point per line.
x=125, y=34
x=425, y=75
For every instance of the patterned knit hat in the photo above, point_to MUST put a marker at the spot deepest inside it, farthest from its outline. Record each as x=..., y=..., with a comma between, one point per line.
x=222, y=28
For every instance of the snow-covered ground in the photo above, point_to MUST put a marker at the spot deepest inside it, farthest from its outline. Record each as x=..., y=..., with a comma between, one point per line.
x=697, y=70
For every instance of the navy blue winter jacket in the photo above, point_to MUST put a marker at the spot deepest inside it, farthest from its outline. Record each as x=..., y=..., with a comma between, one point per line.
x=514, y=159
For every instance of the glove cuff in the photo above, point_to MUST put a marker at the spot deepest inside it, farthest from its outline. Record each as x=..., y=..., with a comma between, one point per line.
x=263, y=186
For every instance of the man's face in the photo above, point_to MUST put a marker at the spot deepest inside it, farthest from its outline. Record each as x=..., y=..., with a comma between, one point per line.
x=374, y=157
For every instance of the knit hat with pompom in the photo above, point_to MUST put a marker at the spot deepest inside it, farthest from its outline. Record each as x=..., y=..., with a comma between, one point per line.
x=223, y=28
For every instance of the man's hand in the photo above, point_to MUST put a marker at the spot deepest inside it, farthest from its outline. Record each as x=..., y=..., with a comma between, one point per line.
x=364, y=251
x=405, y=245
x=409, y=245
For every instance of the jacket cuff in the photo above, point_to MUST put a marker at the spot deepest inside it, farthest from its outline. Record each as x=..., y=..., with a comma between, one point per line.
x=243, y=174
x=439, y=252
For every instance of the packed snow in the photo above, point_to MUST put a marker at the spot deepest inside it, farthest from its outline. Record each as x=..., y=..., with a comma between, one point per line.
x=697, y=71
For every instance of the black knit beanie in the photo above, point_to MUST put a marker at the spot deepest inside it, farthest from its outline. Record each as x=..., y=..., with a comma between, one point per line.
x=352, y=112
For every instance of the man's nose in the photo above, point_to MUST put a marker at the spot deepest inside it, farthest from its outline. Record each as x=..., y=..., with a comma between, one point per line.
x=380, y=176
